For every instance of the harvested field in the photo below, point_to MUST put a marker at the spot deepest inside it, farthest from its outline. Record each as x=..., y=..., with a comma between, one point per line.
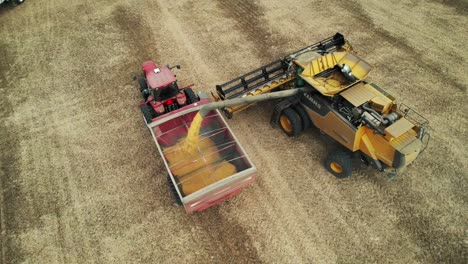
x=82, y=182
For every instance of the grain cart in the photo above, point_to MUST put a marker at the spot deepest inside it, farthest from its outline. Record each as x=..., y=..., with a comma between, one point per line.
x=364, y=119
x=219, y=169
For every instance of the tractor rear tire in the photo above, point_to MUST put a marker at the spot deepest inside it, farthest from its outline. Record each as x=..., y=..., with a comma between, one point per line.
x=306, y=122
x=173, y=190
x=148, y=113
x=290, y=122
x=339, y=163
x=192, y=97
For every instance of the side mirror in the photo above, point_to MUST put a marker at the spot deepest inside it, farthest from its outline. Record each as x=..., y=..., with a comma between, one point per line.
x=170, y=68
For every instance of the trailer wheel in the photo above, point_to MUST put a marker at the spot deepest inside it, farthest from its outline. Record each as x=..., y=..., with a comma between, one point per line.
x=192, y=97
x=290, y=122
x=143, y=88
x=306, y=122
x=339, y=163
x=173, y=190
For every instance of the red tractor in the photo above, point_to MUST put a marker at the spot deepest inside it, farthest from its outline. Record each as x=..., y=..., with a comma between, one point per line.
x=158, y=86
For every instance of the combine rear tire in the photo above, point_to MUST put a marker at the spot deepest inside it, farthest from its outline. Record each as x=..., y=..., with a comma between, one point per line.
x=306, y=122
x=173, y=190
x=339, y=164
x=290, y=122
x=192, y=97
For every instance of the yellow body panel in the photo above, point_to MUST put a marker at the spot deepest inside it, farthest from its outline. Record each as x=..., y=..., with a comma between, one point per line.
x=305, y=58
x=361, y=93
x=364, y=139
x=399, y=127
x=358, y=94
x=334, y=126
x=382, y=149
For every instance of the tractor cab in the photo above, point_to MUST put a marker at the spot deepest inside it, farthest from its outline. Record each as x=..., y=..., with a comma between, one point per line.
x=159, y=88
x=161, y=81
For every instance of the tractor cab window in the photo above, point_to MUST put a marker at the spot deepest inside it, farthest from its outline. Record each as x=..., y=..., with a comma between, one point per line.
x=169, y=91
x=173, y=86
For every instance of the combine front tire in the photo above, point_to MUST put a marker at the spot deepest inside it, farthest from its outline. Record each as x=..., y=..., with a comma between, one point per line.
x=306, y=122
x=339, y=164
x=290, y=122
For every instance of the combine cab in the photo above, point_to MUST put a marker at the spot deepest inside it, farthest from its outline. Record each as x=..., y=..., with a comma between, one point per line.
x=365, y=120
x=219, y=169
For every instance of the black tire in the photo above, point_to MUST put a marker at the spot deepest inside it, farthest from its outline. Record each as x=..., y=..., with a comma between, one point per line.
x=173, y=191
x=339, y=163
x=227, y=114
x=191, y=96
x=290, y=122
x=148, y=113
x=18, y=2
x=305, y=119
x=143, y=88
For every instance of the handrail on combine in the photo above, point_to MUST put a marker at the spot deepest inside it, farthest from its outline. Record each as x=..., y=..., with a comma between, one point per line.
x=411, y=114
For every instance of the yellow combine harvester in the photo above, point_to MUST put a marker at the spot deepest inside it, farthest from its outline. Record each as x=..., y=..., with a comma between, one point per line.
x=334, y=97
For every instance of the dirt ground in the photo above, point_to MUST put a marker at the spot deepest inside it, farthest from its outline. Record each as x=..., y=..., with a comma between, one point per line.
x=82, y=181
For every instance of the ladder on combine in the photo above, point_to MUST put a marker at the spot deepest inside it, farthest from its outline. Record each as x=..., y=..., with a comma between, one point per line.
x=271, y=76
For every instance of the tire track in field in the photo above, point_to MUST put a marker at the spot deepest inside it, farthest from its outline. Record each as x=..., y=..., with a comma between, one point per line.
x=404, y=210
x=38, y=199
x=33, y=209
x=459, y=6
x=416, y=56
x=11, y=196
x=412, y=208
x=250, y=21
x=422, y=222
x=265, y=44
x=228, y=240
x=136, y=32
x=219, y=236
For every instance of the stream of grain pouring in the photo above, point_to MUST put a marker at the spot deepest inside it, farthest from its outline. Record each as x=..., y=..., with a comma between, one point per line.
x=196, y=162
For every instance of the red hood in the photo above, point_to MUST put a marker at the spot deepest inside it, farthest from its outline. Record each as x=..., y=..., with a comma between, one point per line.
x=159, y=78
